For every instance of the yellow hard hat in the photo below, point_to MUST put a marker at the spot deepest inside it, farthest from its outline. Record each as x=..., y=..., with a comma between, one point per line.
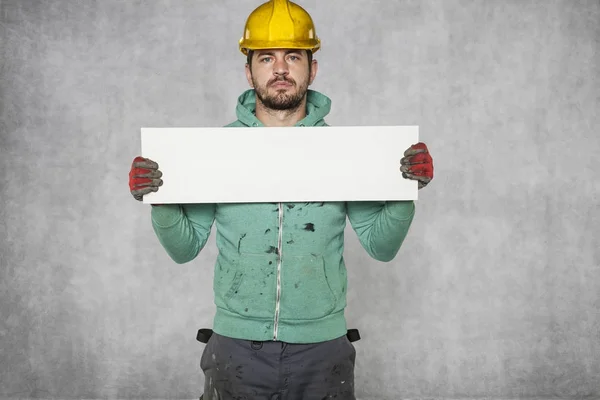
x=279, y=24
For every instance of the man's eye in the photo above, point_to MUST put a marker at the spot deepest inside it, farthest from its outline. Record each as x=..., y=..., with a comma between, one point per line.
x=265, y=59
x=294, y=58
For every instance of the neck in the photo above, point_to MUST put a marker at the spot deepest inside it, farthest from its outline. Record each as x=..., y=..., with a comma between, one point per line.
x=274, y=118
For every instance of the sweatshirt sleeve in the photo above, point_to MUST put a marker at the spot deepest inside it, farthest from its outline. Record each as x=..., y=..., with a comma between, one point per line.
x=183, y=230
x=381, y=226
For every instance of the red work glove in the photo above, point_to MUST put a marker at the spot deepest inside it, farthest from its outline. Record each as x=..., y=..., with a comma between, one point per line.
x=417, y=164
x=144, y=177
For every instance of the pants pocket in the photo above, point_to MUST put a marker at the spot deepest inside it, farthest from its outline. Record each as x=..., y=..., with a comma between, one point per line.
x=205, y=358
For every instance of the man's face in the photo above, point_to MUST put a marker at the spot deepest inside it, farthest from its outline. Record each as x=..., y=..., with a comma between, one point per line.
x=281, y=77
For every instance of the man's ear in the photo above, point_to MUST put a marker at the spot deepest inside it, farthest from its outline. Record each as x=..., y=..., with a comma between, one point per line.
x=314, y=67
x=249, y=76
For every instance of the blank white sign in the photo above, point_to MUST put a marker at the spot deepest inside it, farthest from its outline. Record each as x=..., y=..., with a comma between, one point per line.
x=269, y=164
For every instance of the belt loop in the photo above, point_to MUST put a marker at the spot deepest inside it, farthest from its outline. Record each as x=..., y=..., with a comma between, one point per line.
x=353, y=335
x=204, y=335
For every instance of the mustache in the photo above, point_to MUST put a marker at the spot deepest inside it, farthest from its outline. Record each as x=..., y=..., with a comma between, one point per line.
x=282, y=79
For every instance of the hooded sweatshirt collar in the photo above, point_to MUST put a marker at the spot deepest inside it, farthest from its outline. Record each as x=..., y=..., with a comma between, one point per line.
x=317, y=107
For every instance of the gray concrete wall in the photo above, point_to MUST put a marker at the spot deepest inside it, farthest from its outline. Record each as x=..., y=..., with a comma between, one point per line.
x=495, y=291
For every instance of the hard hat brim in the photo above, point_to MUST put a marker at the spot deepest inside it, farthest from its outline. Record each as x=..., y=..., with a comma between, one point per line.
x=312, y=45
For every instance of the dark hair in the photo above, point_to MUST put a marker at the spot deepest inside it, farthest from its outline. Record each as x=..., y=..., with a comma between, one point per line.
x=309, y=55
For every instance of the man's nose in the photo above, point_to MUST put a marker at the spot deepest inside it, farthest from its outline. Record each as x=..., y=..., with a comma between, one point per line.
x=281, y=67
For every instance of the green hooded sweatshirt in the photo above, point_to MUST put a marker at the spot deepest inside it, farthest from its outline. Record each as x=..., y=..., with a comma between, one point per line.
x=280, y=272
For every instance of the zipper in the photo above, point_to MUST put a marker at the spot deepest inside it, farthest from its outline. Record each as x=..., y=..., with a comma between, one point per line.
x=279, y=243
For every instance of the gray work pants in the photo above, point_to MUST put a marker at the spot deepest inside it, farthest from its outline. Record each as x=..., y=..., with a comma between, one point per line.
x=237, y=369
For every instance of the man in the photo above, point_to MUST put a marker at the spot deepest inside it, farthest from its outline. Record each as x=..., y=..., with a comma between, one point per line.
x=280, y=280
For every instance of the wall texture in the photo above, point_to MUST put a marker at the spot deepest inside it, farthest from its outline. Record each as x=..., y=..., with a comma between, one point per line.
x=495, y=292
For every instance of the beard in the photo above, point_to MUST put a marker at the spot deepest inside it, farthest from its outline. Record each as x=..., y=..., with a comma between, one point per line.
x=282, y=99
